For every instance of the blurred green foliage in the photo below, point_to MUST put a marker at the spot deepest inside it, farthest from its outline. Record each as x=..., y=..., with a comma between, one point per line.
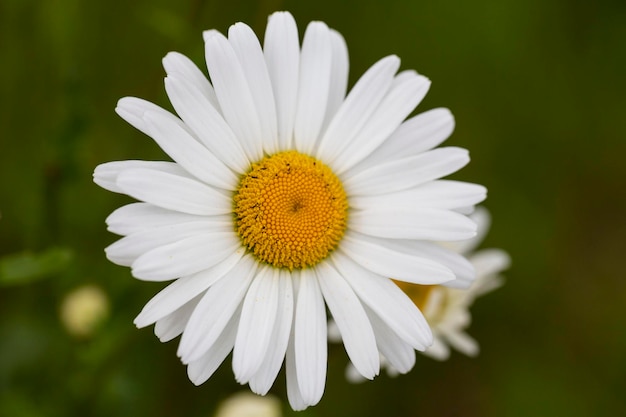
x=537, y=89
x=22, y=268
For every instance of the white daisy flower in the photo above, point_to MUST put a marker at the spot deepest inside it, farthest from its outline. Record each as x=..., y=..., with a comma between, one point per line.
x=447, y=310
x=286, y=197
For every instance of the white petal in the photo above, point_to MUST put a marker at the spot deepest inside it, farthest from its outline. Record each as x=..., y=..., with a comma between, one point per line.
x=189, y=153
x=293, y=387
x=173, y=192
x=234, y=95
x=443, y=194
x=405, y=94
x=439, y=350
x=457, y=318
x=347, y=311
x=399, y=354
x=257, y=323
x=465, y=210
x=215, y=310
x=208, y=34
x=174, y=323
x=392, y=372
x=202, y=369
x=486, y=284
x=179, y=65
x=333, y=332
x=458, y=264
x=248, y=50
x=463, y=270
x=262, y=381
x=138, y=217
x=126, y=250
x=372, y=254
x=282, y=55
x=185, y=257
x=361, y=102
x=206, y=122
x=490, y=262
x=310, y=339
x=338, y=76
x=422, y=223
x=433, y=304
x=105, y=175
x=408, y=172
x=416, y=135
x=132, y=110
x=352, y=375
x=183, y=290
x=387, y=301
x=464, y=343
x=482, y=218
x=315, y=66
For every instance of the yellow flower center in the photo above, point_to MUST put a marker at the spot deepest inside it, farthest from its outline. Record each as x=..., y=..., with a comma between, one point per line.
x=290, y=210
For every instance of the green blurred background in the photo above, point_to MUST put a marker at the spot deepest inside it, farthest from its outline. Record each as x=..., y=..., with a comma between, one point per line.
x=537, y=88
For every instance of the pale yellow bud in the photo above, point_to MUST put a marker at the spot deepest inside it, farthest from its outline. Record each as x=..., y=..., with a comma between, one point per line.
x=83, y=309
x=244, y=404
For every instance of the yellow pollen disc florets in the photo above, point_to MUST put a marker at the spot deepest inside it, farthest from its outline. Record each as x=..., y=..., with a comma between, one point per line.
x=290, y=210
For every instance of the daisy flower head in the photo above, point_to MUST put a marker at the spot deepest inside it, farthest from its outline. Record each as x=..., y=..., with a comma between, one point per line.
x=447, y=309
x=286, y=196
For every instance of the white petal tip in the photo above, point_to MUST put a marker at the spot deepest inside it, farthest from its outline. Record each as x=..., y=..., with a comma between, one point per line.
x=123, y=102
x=281, y=15
x=140, y=322
x=392, y=59
x=209, y=34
